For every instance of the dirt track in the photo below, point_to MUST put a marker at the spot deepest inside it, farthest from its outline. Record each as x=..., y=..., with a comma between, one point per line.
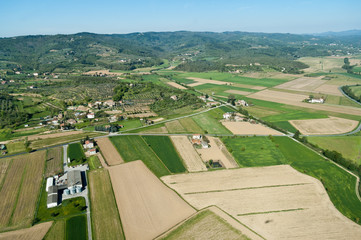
x=189, y=155
x=146, y=206
x=110, y=153
x=36, y=232
x=249, y=128
x=217, y=151
x=332, y=125
x=277, y=202
x=296, y=100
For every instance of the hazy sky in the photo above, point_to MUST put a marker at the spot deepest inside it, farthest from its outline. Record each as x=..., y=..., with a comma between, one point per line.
x=24, y=17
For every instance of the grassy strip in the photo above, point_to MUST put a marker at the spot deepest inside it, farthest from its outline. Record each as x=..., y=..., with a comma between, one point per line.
x=165, y=150
x=248, y=188
x=276, y=211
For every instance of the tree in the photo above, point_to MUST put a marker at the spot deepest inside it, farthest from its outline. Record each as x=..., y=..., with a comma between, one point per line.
x=297, y=135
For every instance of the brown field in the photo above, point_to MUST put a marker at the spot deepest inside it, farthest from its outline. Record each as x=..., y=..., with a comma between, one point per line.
x=110, y=153
x=156, y=130
x=296, y=100
x=329, y=89
x=175, y=127
x=200, y=81
x=332, y=125
x=114, y=112
x=105, y=220
x=247, y=128
x=303, y=84
x=142, y=115
x=146, y=206
x=276, y=202
x=323, y=64
x=54, y=161
x=238, y=92
x=36, y=232
x=217, y=152
x=52, y=135
x=4, y=164
x=20, y=190
x=176, y=85
x=189, y=155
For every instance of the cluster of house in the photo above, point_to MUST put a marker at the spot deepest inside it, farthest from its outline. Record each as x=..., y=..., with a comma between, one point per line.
x=232, y=116
x=198, y=140
x=70, y=183
x=89, y=147
x=241, y=103
x=209, y=101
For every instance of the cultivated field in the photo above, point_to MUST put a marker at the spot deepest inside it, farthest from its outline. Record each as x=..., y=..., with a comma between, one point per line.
x=332, y=125
x=76, y=228
x=57, y=231
x=237, y=92
x=176, y=85
x=52, y=135
x=109, y=152
x=175, y=127
x=206, y=225
x=296, y=100
x=20, y=190
x=247, y=128
x=329, y=89
x=303, y=84
x=54, y=161
x=217, y=152
x=209, y=121
x=322, y=64
x=200, y=81
x=276, y=202
x=189, y=155
x=146, y=206
x=190, y=125
x=105, y=218
x=36, y=232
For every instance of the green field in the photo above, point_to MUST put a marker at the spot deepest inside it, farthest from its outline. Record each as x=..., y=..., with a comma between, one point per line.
x=286, y=126
x=104, y=212
x=220, y=89
x=190, y=126
x=356, y=90
x=76, y=228
x=254, y=151
x=339, y=184
x=57, y=231
x=133, y=148
x=209, y=121
x=76, y=153
x=205, y=225
x=94, y=162
x=348, y=146
x=165, y=150
x=130, y=124
x=15, y=147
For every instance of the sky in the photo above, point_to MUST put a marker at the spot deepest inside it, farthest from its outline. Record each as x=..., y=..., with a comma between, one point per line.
x=33, y=17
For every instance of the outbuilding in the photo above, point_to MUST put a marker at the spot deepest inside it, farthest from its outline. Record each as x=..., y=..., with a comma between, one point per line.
x=52, y=201
x=49, y=183
x=74, y=179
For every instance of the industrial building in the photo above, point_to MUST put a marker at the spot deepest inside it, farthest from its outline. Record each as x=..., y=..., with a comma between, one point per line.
x=52, y=197
x=74, y=180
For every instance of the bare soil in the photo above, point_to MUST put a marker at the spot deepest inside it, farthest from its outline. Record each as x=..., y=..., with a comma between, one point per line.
x=332, y=125
x=146, y=206
x=276, y=202
x=247, y=128
x=36, y=232
x=200, y=81
x=303, y=84
x=176, y=85
x=189, y=155
x=109, y=152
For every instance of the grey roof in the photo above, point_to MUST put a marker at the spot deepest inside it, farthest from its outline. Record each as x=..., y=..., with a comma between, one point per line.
x=53, y=190
x=52, y=199
x=74, y=178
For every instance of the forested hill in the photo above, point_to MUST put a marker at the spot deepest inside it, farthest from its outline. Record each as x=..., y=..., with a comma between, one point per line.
x=128, y=51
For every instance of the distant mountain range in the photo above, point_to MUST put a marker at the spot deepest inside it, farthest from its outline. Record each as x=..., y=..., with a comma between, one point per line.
x=354, y=32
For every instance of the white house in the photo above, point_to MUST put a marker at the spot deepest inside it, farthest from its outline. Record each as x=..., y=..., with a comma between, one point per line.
x=88, y=144
x=317, y=100
x=197, y=136
x=227, y=115
x=90, y=115
x=174, y=97
x=242, y=103
x=49, y=183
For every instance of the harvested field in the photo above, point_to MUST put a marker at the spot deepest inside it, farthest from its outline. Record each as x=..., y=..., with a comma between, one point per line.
x=322, y=64
x=296, y=100
x=277, y=202
x=329, y=89
x=20, y=190
x=52, y=135
x=144, y=202
x=205, y=225
x=200, y=81
x=113, y=112
x=155, y=130
x=110, y=153
x=189, y=155
x=54, y=161
x=238, y=92
x=105, y=218
x=217, y=152
x=4, y=164
x=175, y=127
x=303, y=84
x=332, y=125
x=249, y=86
x=247, y=128
x=36, y=232
x=57, y=231
x=176, y=85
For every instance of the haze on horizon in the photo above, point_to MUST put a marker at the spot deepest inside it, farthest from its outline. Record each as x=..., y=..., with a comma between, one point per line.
x=21, y=17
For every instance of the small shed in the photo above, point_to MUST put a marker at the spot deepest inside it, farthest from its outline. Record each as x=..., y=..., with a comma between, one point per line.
x=49, y=183
x=52, y=201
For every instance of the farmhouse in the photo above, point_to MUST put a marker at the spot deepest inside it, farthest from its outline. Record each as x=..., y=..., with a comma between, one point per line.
x=92, y=151
x=197, y=136
x=209, y=104
x=242, y=103
x=88, y=144
x=90, y=115
x=227, y=115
